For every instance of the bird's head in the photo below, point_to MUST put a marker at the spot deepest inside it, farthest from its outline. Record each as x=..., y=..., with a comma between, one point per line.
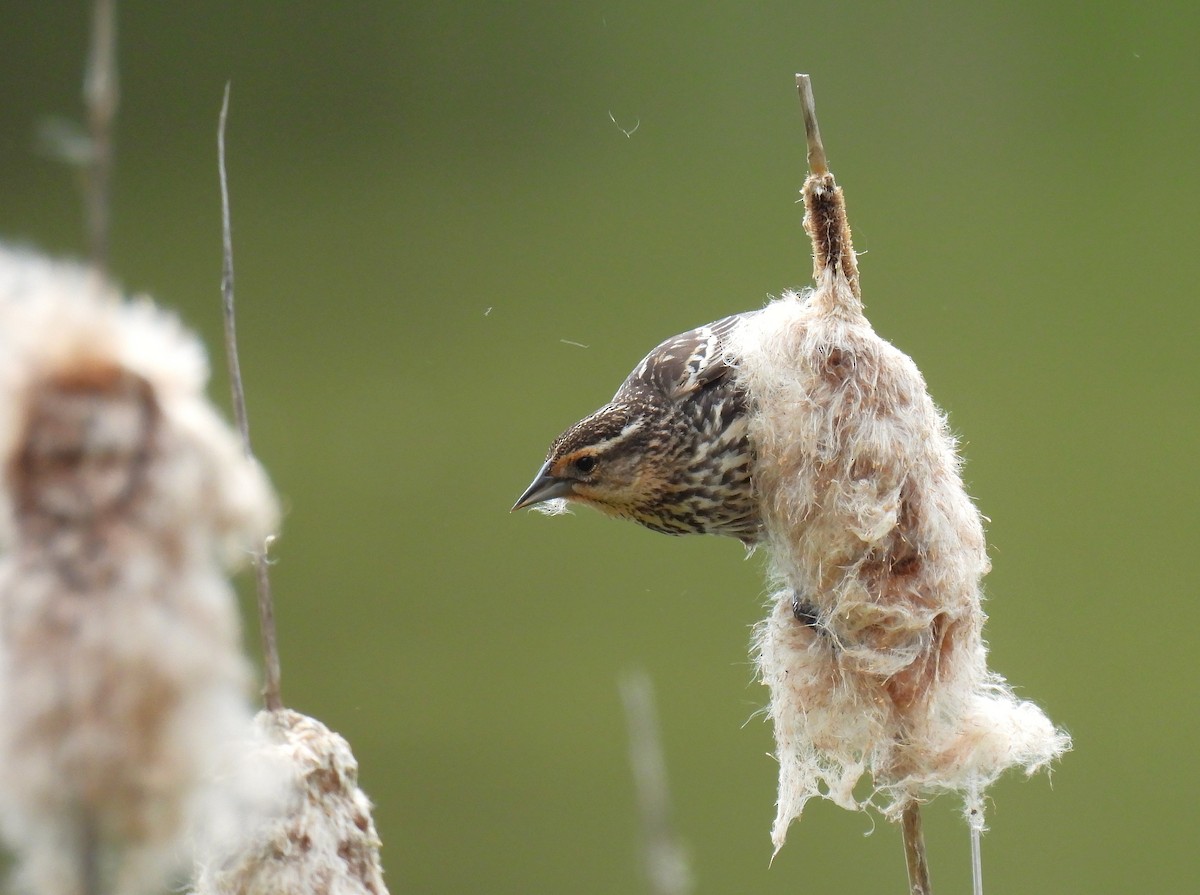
x=671, y=451
x=607, y=460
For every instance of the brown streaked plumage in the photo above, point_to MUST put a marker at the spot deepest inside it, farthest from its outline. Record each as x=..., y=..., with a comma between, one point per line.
x=669, y=451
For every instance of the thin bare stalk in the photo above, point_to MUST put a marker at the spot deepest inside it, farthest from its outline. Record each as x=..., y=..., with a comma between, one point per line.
x=914, y=850
x=976, y=862
x=975, y=823
x=817, y=163
x=272, y=694
x=665, y=860
x=100, y=97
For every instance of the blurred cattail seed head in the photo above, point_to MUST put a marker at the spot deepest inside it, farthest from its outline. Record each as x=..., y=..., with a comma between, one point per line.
x=318, y=837
x=124, y=501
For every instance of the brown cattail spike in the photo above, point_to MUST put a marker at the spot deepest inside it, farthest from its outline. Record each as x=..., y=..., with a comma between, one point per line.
x=825, y=213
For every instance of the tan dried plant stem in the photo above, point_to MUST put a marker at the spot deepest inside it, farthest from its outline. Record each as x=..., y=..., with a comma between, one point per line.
x=271, y=691
x=314, y=832
x=100, y=95
x=914, y=850
x=665, y=860
x=833, y=258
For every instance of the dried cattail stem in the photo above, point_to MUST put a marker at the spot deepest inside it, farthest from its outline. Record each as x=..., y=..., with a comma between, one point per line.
x=272, y=690
x=665, y=859
x=817, y=163
x=976, y=857
x=914, y=850
x=307, y=826
x=100, y=94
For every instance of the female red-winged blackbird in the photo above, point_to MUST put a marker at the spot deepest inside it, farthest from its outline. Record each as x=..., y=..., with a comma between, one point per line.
x=670, y=450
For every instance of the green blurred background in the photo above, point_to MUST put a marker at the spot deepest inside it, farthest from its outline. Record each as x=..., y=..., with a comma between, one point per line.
x=432, y=202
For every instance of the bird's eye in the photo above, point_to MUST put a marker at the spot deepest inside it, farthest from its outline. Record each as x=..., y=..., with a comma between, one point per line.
x=584, y=464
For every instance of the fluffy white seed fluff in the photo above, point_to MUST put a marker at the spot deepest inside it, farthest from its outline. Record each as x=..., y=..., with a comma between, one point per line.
x=320, y=838
x=872, y=535
x=555, y=507
x=124, y=501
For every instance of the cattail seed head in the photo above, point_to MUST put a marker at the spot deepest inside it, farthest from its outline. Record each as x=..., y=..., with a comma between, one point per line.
x=873, y=648
x=319, y=835
x=124, y=500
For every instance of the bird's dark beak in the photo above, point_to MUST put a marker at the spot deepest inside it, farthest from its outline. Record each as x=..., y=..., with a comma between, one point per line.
x=545, y=487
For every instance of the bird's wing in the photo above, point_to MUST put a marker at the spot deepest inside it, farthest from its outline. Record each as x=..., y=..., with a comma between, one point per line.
x=684, y=363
